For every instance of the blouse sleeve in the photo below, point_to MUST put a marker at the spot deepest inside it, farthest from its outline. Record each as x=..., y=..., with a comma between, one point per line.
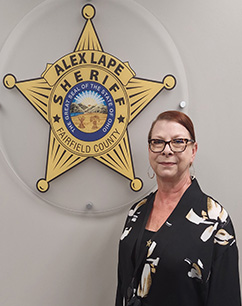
x=119, y=291
x=224, y=284
x=119, y=294
x=125, y=263
x=119, y=297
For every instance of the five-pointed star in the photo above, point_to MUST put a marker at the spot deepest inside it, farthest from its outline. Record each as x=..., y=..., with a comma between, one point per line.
x=39, y=92
x=56, y=118
x=148, y=243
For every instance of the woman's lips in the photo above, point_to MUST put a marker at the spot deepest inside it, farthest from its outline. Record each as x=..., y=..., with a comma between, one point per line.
x=167, y=164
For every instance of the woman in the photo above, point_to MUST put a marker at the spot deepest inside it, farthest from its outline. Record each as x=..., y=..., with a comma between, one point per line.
x=178, y=245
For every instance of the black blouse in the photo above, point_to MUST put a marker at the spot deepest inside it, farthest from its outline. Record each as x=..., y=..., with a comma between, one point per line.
x=146, y=239
x=192, y=260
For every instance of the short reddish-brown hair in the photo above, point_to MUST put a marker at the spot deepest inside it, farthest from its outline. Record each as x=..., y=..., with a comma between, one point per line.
x=178, y=117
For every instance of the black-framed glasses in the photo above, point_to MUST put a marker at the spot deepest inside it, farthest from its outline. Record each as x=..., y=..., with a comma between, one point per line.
x=177, y=145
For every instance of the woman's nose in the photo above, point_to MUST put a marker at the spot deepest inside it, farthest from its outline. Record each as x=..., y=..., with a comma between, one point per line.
x=167, y=150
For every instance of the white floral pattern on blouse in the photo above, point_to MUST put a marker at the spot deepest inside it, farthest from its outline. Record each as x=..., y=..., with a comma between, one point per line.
x=216, y=215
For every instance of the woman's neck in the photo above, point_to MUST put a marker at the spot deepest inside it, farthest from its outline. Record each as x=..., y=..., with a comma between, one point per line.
x=170, y=191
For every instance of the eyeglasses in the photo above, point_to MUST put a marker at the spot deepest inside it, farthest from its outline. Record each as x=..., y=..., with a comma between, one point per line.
x=176, y=145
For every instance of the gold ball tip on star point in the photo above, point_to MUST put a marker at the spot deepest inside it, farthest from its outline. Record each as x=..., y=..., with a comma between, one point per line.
x=88, y=11
x=42, y=185
x=169, y=82
x=136, y=184
x=9, y=81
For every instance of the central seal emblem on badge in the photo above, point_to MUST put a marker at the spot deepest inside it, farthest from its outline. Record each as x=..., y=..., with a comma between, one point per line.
x=89, y=97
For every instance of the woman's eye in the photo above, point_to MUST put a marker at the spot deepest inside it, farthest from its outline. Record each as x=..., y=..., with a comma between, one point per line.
x=158, y=141
x=178, y=141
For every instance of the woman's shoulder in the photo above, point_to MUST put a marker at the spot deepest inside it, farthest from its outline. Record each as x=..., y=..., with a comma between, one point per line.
x=211, y=208
x=141, y=203
x=214, y=210
x=215, y=218
x=220, y=225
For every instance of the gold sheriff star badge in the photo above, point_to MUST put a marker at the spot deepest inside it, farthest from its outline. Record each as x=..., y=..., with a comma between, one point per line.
x=89, y=97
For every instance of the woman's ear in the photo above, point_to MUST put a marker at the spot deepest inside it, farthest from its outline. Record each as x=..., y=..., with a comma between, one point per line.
x=194, y=150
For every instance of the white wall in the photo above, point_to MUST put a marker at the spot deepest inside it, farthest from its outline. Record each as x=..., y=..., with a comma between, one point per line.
x=54, y=257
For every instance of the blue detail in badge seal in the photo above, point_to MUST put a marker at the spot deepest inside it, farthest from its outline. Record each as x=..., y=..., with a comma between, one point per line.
x=88, y=111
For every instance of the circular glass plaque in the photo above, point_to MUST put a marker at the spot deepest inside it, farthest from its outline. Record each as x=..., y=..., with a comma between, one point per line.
x=75, y=112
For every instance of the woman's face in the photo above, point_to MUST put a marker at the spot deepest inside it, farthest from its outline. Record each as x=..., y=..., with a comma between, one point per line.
x=167, y=165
